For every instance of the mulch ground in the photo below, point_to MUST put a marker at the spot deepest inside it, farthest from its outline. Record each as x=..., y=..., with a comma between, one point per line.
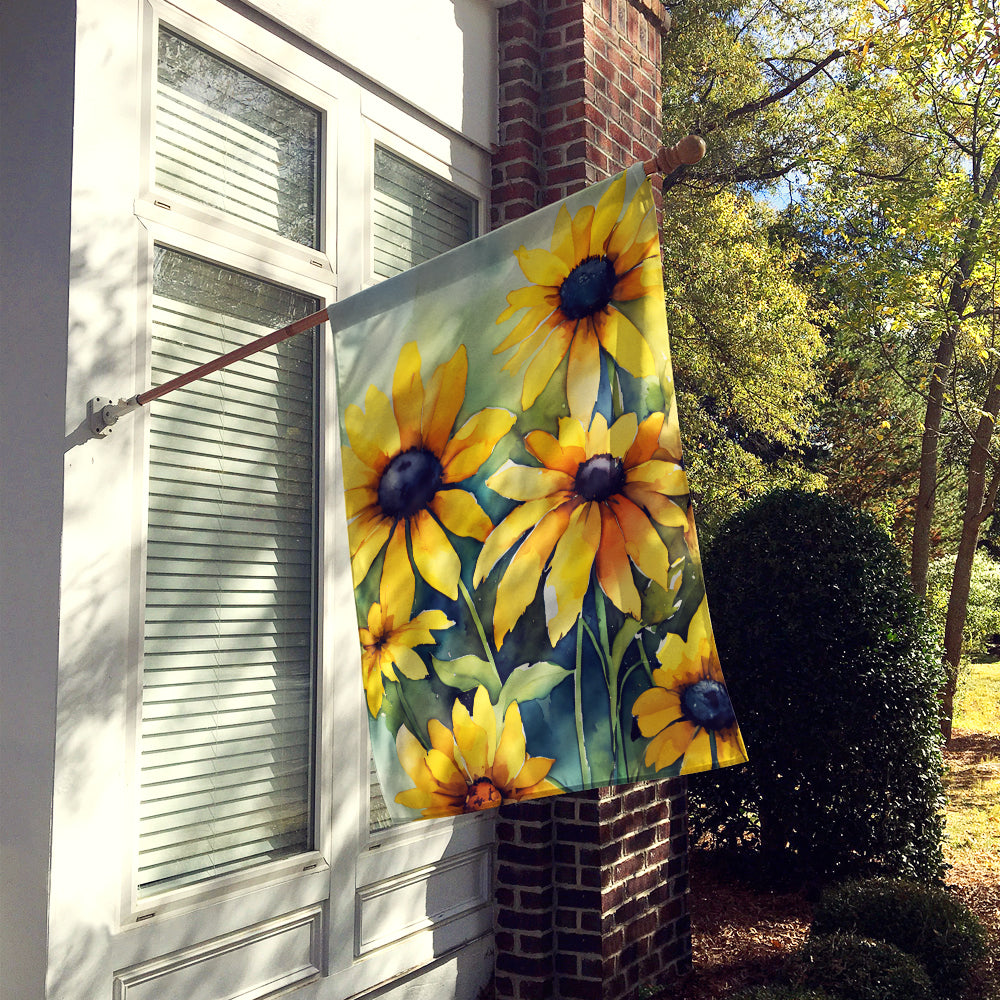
x=742, y=935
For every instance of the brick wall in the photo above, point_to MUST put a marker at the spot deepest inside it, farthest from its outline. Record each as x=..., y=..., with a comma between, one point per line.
x=591, y=889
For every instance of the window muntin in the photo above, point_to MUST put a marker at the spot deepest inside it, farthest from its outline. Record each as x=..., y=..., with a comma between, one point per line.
x=226, y=139
x=228, y=698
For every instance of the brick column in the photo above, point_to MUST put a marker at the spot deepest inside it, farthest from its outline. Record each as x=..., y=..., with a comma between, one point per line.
x=591, y=889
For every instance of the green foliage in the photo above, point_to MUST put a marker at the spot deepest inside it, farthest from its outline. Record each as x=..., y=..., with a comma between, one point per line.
x=747, y=357
x=833, y=672
x=983, y=612
x=926, y=922
x=857, y=968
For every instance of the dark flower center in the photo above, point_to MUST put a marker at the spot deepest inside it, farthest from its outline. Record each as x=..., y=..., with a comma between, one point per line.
x=706, y=703
x=483, y=794
x=588, y=288
x=600, y=477
x=409, y=483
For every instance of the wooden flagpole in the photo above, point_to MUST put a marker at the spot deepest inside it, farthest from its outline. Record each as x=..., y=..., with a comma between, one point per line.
x=102, y=413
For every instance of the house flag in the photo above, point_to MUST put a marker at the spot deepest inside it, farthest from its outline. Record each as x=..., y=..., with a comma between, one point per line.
x=530, y=600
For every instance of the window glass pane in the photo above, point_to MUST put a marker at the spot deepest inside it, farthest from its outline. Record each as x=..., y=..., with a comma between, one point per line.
x=228, y=140
x=228, y=656
x=416, y=215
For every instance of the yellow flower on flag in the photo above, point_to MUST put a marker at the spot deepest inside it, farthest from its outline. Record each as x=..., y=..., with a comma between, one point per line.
x=471, y=767
x=402, y=473
x=687, y=713
x=595, y=502
x=387, y=645
x=598, y=259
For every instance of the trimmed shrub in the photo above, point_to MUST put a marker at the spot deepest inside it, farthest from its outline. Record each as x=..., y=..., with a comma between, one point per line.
x=926, y=922
x=857, y=968
x=833, y=672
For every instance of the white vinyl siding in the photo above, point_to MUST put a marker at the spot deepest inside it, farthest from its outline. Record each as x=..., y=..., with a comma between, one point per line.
x=228, y=690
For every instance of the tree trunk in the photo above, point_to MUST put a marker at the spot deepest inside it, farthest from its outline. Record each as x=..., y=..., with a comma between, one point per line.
x=979, y=500
x=920, y=552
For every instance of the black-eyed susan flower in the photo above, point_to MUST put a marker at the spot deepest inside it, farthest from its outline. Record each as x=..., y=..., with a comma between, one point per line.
x=687, y=713
x=471, y=767
x=387, y=645
x=599, y=258
x=593, y=504
x=402, y=476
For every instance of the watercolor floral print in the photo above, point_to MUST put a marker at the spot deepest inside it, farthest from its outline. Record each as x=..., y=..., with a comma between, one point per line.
x=530, y=603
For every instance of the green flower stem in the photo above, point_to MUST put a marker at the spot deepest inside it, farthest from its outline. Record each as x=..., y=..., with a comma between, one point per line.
x=645, y=660
x=578, y=692
x=479, y=624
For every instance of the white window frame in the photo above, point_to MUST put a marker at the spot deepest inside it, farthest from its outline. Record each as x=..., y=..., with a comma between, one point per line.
x=352, y=872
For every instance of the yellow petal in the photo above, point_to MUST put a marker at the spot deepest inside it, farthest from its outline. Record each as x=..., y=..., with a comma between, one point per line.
x=583, y=374
x=569, y=575
x=461, y=514
x=544, y=363
x=443, y=400
x=374, y=691
x=621, y=434
x=414, y=798
x=646, y=441
x=397, y=585
x=408, y=396
x=530, y=330
x=662, y=509
x=614, y=572
x=627, y=229
x=408, y=662
x=418, y=631
x=542, y=267
x=357, y=475
x=520, y=580
x=583, y=226
x=522, y=482
x=474, y=443
x=565, y=456
x=621, y=338
x=484, y=717
x=642, y=542
x=608, y=210
x=698, y=755
x=410, y=753
x=445, y=773
x=367, y=538
x=522, y=298
x=442, y=738
x=509, y=758
x=373, y=434
x=434, y=556
x=505, y=534
x=531, y=775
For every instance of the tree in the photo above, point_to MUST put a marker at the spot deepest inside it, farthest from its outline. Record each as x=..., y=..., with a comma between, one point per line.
x=914, y=186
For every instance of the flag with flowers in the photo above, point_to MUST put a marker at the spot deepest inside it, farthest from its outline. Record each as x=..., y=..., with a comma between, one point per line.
x=531, y=607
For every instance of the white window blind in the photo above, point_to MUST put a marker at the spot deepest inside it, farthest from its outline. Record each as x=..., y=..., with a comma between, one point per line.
x=228, y=140
x=228, y=661
x=416, y=215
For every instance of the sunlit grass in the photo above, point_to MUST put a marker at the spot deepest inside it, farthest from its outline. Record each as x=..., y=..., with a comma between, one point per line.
x=973, y=786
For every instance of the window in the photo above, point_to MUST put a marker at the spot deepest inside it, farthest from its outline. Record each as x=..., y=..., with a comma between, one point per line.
x=229, y=647
x=228, y=679
x=416, y=216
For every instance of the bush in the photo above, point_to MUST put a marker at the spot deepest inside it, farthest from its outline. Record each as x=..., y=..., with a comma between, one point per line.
x=856, y=968
x=834, y=673
x=925, y=922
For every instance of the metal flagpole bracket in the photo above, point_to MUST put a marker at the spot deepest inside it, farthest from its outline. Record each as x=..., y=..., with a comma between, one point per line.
x=103, y=413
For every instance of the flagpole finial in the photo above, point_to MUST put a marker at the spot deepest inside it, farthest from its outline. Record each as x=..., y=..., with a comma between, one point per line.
x=688, y=151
